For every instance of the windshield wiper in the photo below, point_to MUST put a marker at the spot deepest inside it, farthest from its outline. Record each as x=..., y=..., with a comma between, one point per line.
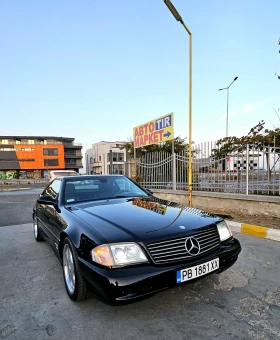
x=129, y=196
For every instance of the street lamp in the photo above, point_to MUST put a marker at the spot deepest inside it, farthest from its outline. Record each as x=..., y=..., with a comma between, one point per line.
x=227, y=88
x=178, y=17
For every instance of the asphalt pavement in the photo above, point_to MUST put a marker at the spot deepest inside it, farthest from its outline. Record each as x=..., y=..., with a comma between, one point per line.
x=241, y=303
x=16, y=206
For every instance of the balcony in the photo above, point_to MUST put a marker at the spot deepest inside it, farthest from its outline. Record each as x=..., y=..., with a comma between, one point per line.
x=73, y=165
x=72, y=145
x=73, y=155
x=26, y=143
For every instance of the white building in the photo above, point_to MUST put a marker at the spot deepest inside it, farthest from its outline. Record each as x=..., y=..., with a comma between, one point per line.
x=98, y=158
x=258, y=160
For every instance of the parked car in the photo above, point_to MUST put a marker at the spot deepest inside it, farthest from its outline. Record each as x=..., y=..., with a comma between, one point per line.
x=115, y=238
x=179, y=186
x=55, y=173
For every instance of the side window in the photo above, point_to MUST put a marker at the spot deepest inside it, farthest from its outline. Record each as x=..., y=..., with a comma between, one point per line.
x=53, y=189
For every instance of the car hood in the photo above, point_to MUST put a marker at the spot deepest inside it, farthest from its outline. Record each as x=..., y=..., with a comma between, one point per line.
x=146, y=219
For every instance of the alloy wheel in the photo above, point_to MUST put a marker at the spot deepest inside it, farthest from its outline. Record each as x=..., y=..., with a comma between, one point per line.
x=69, y=269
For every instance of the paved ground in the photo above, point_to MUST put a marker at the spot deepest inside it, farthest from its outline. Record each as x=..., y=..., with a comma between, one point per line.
x=16, y=206
x=241, y=303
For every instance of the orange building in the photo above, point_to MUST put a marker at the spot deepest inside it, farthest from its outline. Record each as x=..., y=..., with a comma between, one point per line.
x=33, y=157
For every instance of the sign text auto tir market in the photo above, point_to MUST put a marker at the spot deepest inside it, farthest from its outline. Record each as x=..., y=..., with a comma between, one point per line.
x=156, y=131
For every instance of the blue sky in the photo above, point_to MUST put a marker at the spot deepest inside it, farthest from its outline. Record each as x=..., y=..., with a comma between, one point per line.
x=95, y=69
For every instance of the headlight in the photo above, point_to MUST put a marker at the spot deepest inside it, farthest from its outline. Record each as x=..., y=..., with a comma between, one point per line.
x=224, y=231
x=118, y=254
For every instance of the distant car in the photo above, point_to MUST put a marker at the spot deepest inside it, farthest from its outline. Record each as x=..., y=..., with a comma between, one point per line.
x=179, y=186
x=55, y=173
x=115, y=238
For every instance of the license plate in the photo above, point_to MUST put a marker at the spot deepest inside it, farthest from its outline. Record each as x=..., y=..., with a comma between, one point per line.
x=197, y=271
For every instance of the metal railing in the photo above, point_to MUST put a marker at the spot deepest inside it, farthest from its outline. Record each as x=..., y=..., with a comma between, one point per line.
x=254, y=170
x=72, y=144
x=27, y=143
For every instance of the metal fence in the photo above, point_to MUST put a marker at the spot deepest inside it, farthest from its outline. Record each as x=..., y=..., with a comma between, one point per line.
x=255, y=170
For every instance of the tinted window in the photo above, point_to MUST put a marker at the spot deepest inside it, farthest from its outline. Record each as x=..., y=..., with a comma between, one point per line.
x=53, y=189
x=50, y=162
x=50, y=152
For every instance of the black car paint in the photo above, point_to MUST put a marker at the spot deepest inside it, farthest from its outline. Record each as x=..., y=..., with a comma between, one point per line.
x=105, y=221
x=111, y=220
x=137, y=281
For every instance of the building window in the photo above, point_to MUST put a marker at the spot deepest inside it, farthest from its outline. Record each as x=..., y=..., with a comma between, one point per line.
x=4, y=141
x=117, y=157
x=99, y=158
x=93, y=160
x=23, y=149
x=50, y=162
x=120, y=157
x=50, y=152
x=118, y=169
x=30, y=141
x=70, y=161
x=7, y=149
x=69, y=152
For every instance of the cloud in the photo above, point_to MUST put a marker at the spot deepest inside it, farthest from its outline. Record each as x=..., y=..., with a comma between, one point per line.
x=244, y=109
x=251, y=107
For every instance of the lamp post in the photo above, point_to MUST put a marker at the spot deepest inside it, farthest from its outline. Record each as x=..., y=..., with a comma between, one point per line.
x=178, y=17
x=227, y=88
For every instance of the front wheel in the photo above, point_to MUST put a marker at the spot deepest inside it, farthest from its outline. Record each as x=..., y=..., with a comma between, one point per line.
x=37, y=232
x=73, y=279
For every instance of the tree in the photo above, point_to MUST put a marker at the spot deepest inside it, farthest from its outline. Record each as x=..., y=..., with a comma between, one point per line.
x=255, y=138
x=266, y=141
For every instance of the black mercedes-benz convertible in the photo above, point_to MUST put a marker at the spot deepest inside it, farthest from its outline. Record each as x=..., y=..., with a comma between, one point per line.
x=120, y=241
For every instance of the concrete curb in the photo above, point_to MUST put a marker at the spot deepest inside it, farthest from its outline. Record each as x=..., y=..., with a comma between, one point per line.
x=254, y=230
x=13, y=189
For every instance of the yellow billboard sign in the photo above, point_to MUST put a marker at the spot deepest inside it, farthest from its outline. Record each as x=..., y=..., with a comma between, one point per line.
x=156, y=131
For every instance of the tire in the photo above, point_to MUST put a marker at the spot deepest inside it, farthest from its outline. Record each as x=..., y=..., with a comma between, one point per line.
x=37, y=232
x=74, y=282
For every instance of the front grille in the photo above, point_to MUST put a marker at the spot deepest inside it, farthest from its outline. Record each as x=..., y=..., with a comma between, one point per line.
x=174, y=249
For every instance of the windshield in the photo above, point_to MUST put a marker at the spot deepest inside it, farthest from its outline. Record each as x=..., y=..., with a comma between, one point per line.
x=101, y=187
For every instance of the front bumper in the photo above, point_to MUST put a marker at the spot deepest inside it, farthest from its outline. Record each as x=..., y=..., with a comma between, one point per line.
x=137, y=281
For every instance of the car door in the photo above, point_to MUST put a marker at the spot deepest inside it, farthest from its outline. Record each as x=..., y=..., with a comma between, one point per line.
x=47, y=213
x=55, y=218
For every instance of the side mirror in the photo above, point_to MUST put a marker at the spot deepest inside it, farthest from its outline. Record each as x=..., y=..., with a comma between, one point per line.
x=46, y=200
x=150, y=191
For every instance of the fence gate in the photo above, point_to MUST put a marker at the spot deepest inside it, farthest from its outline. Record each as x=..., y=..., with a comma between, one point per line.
x=154, y=170
x=162, y=170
